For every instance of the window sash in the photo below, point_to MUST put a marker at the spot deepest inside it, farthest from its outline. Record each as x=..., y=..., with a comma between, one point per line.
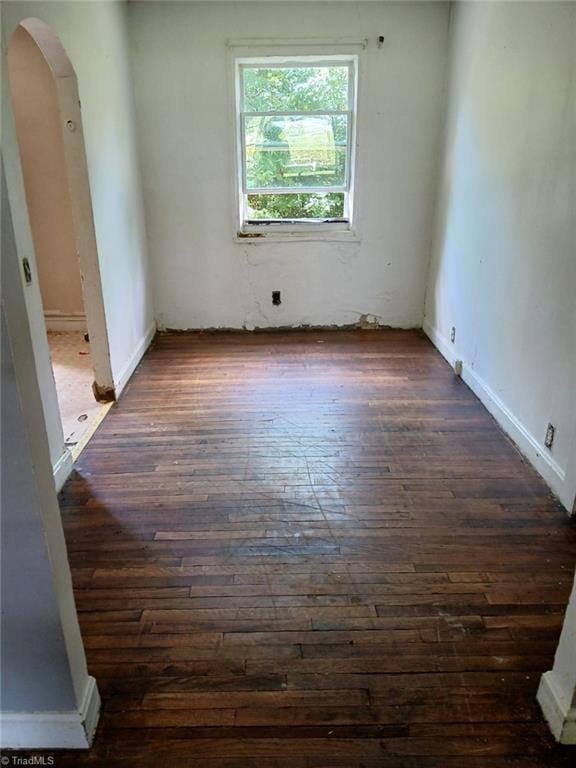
x=349, y=113
x=294, y=190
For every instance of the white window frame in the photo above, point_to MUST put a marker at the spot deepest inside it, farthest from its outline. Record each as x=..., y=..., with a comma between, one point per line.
x=299, y=227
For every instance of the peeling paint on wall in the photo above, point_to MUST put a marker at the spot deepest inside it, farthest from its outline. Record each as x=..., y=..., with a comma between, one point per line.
x=369, y=322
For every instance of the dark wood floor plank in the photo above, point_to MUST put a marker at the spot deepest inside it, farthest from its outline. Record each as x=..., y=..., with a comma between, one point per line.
x=303, y=550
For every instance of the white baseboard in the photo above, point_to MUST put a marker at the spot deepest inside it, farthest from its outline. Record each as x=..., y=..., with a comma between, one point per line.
x=126, y=372
x=528, y=445
x=556, y=709
x=90, y=709
x=446, y=349
x=53, y=730
x=60, y=321
x=62, y=469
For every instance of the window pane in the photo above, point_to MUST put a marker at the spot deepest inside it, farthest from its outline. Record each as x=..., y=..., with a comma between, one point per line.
x=295, y=89
x=309, y=205
x=296, y=151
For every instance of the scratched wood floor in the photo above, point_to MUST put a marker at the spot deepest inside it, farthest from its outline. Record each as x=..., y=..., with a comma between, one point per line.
x=299, y=550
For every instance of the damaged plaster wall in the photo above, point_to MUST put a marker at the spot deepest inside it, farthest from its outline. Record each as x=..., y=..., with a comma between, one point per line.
x=183, y=90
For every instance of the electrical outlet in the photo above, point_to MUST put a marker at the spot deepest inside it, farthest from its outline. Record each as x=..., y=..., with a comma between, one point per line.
x=276, y=298
x=453, y=334
x=549, y=439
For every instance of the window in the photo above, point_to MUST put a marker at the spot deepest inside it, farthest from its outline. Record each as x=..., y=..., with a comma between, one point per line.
x=296, y=125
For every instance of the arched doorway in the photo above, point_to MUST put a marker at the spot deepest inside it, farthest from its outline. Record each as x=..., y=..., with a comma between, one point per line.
x=47, y=111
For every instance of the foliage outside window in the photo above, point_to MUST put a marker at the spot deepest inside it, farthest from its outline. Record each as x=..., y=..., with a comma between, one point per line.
x=295, y=139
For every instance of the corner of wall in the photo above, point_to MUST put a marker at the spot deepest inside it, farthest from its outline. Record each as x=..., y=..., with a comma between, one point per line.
x=527, y=444
x=132, y=363
x=62, y=469
x=53, y=730
x=559, y=715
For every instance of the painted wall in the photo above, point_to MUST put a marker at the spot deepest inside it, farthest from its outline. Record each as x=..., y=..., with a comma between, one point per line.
x=42, y=156
x=557, y=692
x=43, y=663
x=94, y=35
x=503, y=271
x=202, y=277
x=35, y=672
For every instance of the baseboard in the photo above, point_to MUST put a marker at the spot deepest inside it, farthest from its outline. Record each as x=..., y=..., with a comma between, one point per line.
x=559, y=716
x=53, y=730
x=62, y=469
x=126, y=372
x=528, y=445
x=90, y=709
x=441, y=343
x=60, y=321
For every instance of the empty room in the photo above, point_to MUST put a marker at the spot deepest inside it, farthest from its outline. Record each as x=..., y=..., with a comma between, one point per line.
x=288, y=384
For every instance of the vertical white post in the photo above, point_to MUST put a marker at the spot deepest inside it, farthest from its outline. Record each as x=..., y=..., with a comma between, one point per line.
x=557, y=692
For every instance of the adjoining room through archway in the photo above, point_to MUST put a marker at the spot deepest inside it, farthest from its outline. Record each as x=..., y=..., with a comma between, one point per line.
x=49, y=130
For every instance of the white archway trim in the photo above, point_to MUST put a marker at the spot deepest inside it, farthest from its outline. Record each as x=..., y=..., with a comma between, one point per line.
x=80, y=198
x=51, y=47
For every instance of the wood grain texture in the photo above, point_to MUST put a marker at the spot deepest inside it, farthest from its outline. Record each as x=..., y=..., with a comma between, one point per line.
x=301, y=550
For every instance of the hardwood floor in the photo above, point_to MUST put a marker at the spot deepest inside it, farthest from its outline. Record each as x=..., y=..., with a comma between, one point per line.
x=300, y=550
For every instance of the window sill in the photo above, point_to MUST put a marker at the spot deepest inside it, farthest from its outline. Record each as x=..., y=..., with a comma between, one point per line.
x=256, y=235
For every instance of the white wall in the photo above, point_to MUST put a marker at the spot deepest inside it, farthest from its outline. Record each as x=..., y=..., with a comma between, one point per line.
x=35, y=103
x=557, y=692
x=503, y=271
x=94, y=35
x=47, y=697
x=202, y=277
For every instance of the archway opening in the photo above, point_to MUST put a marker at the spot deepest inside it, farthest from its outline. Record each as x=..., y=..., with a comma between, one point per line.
x=46, y=107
